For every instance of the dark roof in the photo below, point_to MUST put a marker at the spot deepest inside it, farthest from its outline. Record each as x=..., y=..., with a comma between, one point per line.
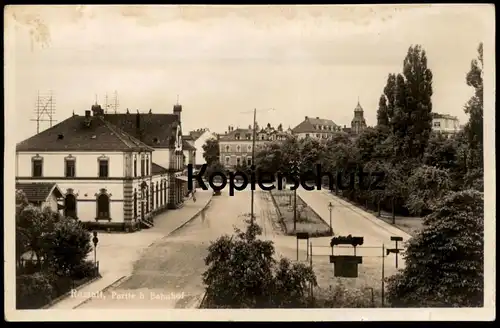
x=445, y=116
x=187, y=146
x=155, y=130
x=74, y=134
x=309, y=125
x=38, y=192
x=231, y=135
x=157, y=169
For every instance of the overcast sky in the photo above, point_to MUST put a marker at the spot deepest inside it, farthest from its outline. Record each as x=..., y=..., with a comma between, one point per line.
x=224, y=61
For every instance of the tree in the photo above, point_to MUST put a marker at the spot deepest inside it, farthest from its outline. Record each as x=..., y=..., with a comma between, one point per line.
x=382, y=112
x=269, y=159
x=211, y=151
x=427, y=185
x=445, y=261
x=389, y=93
x=418, y=106
x=69, y=246
x=242, y=273
x=474, y=127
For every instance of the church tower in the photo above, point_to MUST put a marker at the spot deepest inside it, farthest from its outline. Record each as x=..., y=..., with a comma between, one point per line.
x=358, y=123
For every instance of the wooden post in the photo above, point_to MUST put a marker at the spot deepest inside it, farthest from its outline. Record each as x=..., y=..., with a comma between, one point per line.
x=383, y=277
x=312, y=286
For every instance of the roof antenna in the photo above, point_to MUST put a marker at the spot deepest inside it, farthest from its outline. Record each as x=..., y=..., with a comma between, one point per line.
x=96, y=99
x=177, y=99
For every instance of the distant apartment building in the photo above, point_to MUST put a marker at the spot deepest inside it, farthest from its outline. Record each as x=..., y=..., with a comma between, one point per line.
x=235, y=145
x=197, y=139
x=316, y=128
x=445, y=124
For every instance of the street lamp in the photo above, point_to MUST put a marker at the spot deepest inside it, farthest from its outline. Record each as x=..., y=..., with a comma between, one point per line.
x=330, y=208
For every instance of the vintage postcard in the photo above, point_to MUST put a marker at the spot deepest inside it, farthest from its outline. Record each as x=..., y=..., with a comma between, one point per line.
x=324, y=163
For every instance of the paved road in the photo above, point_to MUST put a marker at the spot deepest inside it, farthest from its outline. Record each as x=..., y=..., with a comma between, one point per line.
x=169, y=272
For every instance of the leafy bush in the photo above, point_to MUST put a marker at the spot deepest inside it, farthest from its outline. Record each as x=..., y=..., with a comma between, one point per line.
x=70, y=246
x=242, y=273
x=341, y=296
x=445, y=262
x=427, y=185
x=84, y=270
x=34, y=290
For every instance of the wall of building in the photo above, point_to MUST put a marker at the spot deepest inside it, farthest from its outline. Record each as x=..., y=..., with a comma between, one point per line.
x=86, y=164
x=446, y=125
x=314, y=135
x=198, y=143
x=230, y=151
x=51, y=202
x=161, y=156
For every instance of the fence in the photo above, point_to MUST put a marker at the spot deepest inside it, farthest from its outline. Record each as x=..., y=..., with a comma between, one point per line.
x=363, y=286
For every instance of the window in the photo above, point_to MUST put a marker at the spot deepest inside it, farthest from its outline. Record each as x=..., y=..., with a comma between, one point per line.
x=249, y=148
x=157, y=194
x=70, y=167
x=37, y=166
x=152, y=197
x=227, y=159
x=70, y=206
x=249, y=161
x=437, y=124
x=135, y=204
x=103, y=168
x=142, y=166
x=165, y=192
x=146, y=199
x=238, y=160
x=238, y=149
x=307, y=135
x=135, y=166
x=227, y=149
x=147, y=166
x=103, y=206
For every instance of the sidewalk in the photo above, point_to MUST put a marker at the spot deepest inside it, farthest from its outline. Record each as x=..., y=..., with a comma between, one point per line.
x=117, y=252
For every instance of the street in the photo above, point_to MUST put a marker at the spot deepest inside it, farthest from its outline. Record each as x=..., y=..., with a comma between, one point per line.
x=168, y=274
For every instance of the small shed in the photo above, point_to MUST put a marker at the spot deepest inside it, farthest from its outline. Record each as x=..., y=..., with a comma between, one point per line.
x=42, y=194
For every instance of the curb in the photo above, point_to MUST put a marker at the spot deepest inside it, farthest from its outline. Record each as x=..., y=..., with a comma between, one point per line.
x=116, y=282
x=314, y=211
x=65, y=295
x=192, y=218
x=379, y=222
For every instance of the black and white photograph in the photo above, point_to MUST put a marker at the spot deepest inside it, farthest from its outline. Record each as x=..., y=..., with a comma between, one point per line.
x=338, y=159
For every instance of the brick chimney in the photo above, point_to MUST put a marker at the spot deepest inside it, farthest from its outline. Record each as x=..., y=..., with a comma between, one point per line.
x=178, y=110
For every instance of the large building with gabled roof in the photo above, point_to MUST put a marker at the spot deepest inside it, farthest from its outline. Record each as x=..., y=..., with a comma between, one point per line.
x=115, y=171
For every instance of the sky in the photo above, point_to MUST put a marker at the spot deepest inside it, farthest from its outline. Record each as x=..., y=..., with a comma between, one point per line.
x=222, y=62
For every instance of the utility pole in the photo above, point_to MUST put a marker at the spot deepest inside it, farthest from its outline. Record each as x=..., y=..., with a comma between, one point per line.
x=253, y=162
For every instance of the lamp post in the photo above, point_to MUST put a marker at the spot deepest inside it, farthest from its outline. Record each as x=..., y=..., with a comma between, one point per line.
x=95, y=240
x=330, y=208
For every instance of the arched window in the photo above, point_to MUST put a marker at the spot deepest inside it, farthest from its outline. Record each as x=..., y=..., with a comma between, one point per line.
x=165, y=193
x=135, y=204
x=70, y=206
x=103, y=206
x=161, y=193
x=157, y=195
